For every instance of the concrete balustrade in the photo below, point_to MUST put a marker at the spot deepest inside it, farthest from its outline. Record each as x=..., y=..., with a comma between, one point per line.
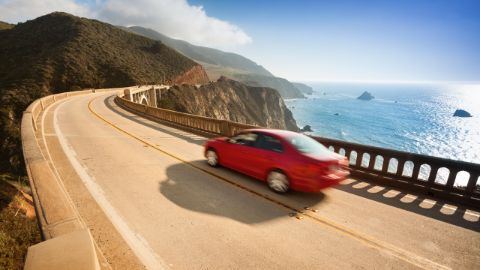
x=440, y=177
x=68, y=243
x=449, y=179
x=200, y=123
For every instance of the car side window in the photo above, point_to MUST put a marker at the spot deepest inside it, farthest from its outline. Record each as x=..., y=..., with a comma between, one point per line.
x=269, y=143
x=247, y=139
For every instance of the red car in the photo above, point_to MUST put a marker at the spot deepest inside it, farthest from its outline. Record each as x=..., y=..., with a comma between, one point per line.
x=284, y=159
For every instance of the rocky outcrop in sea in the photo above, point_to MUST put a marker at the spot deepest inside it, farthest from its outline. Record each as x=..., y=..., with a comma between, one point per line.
x=306, y=128
x=461, y=113
x=366, y=96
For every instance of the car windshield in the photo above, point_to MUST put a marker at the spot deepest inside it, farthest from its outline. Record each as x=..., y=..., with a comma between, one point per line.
x=307, y=145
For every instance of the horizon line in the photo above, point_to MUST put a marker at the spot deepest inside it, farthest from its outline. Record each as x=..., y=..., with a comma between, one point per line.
x=389, y=81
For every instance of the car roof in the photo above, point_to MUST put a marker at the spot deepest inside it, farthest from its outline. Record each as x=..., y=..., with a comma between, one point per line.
x=278, y=132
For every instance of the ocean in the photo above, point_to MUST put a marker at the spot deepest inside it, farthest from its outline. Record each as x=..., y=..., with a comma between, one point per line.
x=416, y=118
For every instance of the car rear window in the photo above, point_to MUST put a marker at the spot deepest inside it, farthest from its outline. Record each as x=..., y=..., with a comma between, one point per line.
x=307, y=145
x=269, y=143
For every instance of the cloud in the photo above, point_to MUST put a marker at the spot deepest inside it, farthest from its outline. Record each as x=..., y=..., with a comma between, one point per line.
x=174, y=18
x=15, y=11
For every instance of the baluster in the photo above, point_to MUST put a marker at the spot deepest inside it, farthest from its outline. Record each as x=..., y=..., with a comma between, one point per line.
x=433, y=175
x=472, y=181
x=416, y=170
x=386, y=161
x=358, y=162
x=451, y=177
x=347, y=153
x=371, y=162
x=400, y=167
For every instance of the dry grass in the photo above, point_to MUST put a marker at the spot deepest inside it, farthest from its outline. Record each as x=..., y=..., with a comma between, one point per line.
x=18, y=225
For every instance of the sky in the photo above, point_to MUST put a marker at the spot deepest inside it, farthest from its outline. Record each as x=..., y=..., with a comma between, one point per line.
x=306, y=40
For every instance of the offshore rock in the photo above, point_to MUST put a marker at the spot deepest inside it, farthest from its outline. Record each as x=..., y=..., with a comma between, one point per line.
x=306, y=128
x=366, y=96
x=462, y=113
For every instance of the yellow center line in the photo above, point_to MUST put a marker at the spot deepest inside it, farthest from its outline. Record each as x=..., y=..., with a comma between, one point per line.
x=372, y=242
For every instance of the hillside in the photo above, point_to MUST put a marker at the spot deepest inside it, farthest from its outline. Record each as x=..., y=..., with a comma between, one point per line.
x=218, y=63
x=60, y=52
x=204, y=54
x=284, y=87
x=231, y=100
x=4, y=25
x=303, y=87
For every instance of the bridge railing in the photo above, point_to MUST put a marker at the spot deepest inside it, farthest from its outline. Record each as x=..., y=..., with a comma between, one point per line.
x=201, y=123
x=59, y=221
x=433, y=174
x=445, y=178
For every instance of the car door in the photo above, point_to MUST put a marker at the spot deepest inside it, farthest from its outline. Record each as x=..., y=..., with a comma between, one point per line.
x=237, y=151
x=267, y=154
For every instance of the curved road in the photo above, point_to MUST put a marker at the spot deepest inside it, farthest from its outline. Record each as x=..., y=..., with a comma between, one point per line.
x=150, y=200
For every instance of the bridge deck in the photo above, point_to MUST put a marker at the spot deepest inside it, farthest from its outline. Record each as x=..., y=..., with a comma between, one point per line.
x=149, y=198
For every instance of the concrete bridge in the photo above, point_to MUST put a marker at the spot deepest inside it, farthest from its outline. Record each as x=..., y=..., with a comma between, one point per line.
x=119, y=184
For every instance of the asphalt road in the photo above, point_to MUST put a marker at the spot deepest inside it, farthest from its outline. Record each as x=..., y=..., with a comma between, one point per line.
x=151, y=200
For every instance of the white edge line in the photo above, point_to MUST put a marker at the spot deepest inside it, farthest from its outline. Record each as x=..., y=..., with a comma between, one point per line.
x=136, y=242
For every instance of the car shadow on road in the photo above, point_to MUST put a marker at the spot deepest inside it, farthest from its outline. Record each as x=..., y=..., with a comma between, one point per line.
x=433, y=208
x=191, y=138
x=223, y=192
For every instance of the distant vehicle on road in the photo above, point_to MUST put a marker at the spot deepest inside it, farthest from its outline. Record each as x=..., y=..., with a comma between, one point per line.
x=286, y=160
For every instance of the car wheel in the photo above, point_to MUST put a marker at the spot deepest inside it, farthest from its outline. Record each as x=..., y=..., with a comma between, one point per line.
x=278, y=181
x=212, y=158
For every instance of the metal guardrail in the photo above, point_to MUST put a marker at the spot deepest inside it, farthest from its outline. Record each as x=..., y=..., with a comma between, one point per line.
x=419, y=173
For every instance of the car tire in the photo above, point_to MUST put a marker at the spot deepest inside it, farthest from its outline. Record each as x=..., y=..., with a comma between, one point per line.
x=212, y=158
x=278, y=181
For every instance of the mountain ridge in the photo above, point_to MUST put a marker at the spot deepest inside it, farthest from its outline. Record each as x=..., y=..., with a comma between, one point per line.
x=218, y=63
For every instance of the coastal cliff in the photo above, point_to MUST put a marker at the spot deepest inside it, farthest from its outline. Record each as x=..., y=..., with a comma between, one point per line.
x=195, y=75
x=231, y=100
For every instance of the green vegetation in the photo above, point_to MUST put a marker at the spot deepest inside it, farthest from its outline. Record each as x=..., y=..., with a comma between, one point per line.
x=218, y=63
x=60, y=52
x=18, y=227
